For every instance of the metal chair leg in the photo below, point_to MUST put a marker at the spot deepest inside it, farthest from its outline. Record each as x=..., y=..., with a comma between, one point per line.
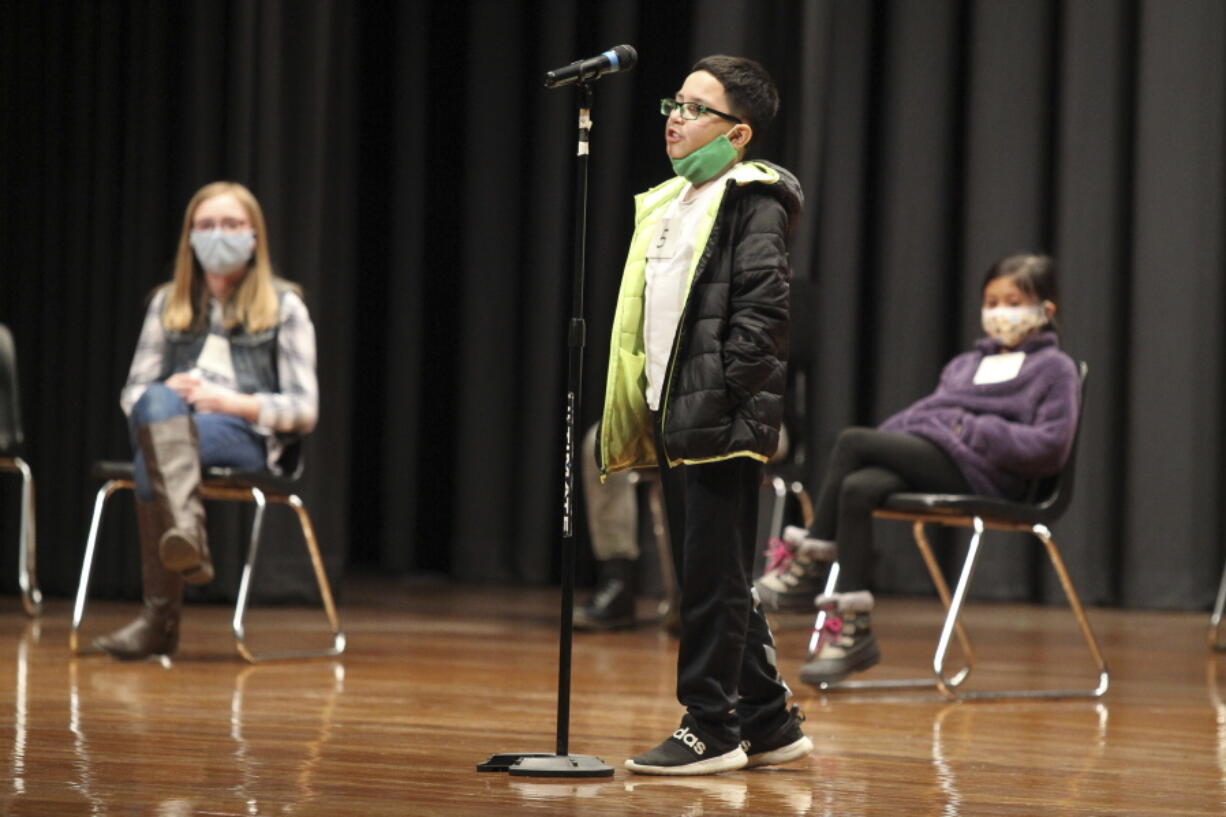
x=806, y=502
x=1053, y=553
x=949, y=684
x=942, y=681
x=946, y=685
x=321, y=577
x=27, y=577
x=87, y=564
x=1104, y=677
x=31, y=596
x=664, y=550
x=832, y=582
x=1214, y=636
x=238, y=623
x=780, y=489
x=244, y=586
x=938, y=579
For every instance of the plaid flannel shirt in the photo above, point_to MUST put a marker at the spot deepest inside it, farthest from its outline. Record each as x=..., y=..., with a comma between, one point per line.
x=294, y=409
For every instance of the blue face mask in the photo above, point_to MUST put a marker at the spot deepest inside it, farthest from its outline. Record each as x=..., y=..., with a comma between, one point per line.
x=706, y=162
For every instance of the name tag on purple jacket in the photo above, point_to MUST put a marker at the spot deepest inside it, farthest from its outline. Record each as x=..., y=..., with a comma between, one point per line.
x=999, y=368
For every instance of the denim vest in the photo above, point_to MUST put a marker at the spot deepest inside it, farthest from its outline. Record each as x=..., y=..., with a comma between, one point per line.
x=253, y=356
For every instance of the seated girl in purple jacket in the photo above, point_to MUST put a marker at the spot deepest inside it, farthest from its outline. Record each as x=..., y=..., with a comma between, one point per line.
x=1002, y=415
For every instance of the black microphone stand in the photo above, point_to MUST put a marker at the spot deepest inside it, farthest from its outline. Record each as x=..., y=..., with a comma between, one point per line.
x=562, y=763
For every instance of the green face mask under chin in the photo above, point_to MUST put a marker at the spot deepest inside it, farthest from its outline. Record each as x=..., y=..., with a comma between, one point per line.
x=703, y=164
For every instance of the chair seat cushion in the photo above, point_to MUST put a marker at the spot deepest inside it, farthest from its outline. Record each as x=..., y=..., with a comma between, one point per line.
x=219, y=477
x=985, y=507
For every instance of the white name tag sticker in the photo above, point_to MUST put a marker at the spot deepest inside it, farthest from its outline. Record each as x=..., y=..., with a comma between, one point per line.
x=999, y=368
x=214, y=359
x=664, y=245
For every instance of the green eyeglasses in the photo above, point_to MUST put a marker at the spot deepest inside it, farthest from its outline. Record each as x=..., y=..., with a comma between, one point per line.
x=693, y=110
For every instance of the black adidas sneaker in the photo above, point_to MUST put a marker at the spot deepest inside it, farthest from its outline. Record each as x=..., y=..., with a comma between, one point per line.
x=689, y=751
x=786, y=743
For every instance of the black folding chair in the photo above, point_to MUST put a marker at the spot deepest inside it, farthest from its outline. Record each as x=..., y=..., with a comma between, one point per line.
x=1048, y=500
x=788, y=474
x=12, y=441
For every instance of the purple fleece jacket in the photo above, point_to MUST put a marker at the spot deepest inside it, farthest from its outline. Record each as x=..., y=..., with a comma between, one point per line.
x=1001, y=434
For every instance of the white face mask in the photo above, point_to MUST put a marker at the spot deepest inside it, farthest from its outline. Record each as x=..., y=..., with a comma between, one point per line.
x=223, y=253
x=1008, y=325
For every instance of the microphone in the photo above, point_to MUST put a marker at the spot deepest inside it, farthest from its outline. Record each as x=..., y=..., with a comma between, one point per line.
x=615, y=60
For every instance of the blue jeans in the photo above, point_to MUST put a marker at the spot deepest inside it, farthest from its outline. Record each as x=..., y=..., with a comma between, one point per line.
x=225, y=440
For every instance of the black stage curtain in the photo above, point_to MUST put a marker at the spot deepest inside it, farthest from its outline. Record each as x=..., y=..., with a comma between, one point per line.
x=418, y=182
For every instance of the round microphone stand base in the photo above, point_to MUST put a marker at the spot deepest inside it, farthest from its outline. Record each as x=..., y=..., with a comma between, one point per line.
x=539, y=764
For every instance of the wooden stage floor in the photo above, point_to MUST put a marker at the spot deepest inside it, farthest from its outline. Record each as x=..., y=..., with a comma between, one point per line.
x=437, y=677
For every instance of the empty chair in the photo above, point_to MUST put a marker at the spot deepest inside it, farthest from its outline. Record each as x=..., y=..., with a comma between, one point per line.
x=11, y=445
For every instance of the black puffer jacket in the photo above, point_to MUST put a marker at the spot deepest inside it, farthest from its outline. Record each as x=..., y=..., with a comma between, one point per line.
x=726, y=374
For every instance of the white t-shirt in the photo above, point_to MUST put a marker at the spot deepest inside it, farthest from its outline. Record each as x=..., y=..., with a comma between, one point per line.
x=668, y=264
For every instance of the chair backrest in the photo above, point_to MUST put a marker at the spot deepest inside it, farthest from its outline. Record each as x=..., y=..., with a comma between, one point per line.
x=11, y=437
x=1053, y=494
x=802, y=316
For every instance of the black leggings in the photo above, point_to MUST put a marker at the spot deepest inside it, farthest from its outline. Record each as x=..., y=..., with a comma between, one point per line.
x=866, y=467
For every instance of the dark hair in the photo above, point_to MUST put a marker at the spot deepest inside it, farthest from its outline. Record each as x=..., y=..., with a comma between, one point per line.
x=1034, y=275
x=750, y=90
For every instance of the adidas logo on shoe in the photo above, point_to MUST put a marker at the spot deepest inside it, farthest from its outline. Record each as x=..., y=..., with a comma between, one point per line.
x=691, y=740
x=690, y=751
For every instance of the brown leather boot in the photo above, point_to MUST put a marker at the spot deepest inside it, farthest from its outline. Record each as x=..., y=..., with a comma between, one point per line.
x=172, y=455
x=156, y=630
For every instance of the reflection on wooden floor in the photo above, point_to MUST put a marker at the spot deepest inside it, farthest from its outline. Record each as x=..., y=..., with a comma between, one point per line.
x=437, y=678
